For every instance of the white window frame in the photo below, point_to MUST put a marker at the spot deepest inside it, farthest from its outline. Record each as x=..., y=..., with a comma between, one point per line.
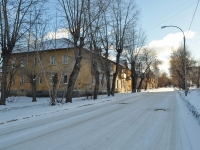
x=40, y=60
x=34, y=61
x=52, y=60
x=64, y=79
x=23, y=62
x=116, y=84
x=12, y=81
x=13, y=62
x=51, y=79
x=22, y=80
x=65, y=59
x=39, y=80
x=93, y=80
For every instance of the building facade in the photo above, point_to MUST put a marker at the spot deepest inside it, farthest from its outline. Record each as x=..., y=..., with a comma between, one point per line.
x=57, y=57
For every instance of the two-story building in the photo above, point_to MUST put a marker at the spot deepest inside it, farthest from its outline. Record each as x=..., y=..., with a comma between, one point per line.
x=52, y=57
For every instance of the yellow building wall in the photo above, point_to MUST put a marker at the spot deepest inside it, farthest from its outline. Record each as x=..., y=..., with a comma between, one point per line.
x=44, y=69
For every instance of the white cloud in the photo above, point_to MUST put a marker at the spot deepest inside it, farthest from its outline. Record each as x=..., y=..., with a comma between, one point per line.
x=60, y=33
x=164, y=47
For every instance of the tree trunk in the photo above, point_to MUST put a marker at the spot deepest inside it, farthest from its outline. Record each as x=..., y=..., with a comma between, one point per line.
x=198, y=82
x=140, y=84
x=4, y=93
x=34, y=91
x=72, y=79
x=108, y=81
x=53, y=96
x=9, y=84
x=96, y=88
x=134, y=77
x=115, y=75
x=134, y=83
x=107, y=68
x=55, y=81
x=146, y=84
x=32, y=79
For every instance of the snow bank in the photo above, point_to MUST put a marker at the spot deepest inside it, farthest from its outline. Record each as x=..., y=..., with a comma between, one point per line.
x=192, y=101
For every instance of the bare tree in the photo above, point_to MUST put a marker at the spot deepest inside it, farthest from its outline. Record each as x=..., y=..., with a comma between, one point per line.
x=32, y=78
x=163, y=80
x=13, y=67
x=125, y=14
x=76, y=14
x=55, y=82
x=177, y=65
x=14, y=23
x=135, y=40
x=105, y=39
x=94, y=34
x=148, y=62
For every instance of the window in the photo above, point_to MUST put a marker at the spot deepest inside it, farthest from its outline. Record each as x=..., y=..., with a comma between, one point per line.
x=39, y=80
x=65, y=59
x=13, y=62
x=23, y=62
x=52, y=60
x=12, y=80
x=92, y=80
x=40, y=60
x=65, y=79
x=35, y=61
x=22, y=80
x=51, y=79
x=117, y=84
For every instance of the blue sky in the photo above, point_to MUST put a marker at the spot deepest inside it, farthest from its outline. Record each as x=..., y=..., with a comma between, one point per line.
x=157, y=13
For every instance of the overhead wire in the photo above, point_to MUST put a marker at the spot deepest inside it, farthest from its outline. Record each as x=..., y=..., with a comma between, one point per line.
x=171, y=17
x=193, y=17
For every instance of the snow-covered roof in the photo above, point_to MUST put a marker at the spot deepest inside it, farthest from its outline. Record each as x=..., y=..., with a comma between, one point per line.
x=53, y=44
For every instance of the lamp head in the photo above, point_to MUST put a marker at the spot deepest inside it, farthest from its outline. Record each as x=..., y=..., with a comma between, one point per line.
x=163, y=27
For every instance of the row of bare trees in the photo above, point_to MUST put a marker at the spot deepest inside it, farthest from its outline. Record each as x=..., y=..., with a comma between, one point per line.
x=101, y=25
x=98, y=25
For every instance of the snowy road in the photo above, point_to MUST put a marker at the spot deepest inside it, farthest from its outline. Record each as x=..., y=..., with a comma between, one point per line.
x=127, y=124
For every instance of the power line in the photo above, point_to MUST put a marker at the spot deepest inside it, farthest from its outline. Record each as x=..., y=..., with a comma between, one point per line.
x=170, y=17
x=193, y=16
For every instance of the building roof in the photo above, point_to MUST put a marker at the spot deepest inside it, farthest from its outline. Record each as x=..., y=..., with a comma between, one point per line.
x=53, y=44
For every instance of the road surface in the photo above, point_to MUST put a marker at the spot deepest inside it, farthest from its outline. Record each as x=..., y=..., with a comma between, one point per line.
x=150, y=121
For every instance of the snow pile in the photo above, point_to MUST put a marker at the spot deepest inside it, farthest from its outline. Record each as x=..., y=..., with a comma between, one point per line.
x=192, y=102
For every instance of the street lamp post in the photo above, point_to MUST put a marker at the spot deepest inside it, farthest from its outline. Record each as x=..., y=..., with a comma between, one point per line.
x=184, y=56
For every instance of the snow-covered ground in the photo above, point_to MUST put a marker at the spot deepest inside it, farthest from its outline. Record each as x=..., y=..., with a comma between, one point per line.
x=19, y=108
x=21, y=112
x=192, y=101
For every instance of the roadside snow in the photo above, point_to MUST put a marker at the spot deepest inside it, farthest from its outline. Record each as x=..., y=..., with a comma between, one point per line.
x=192, y=101
x=19, y=108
